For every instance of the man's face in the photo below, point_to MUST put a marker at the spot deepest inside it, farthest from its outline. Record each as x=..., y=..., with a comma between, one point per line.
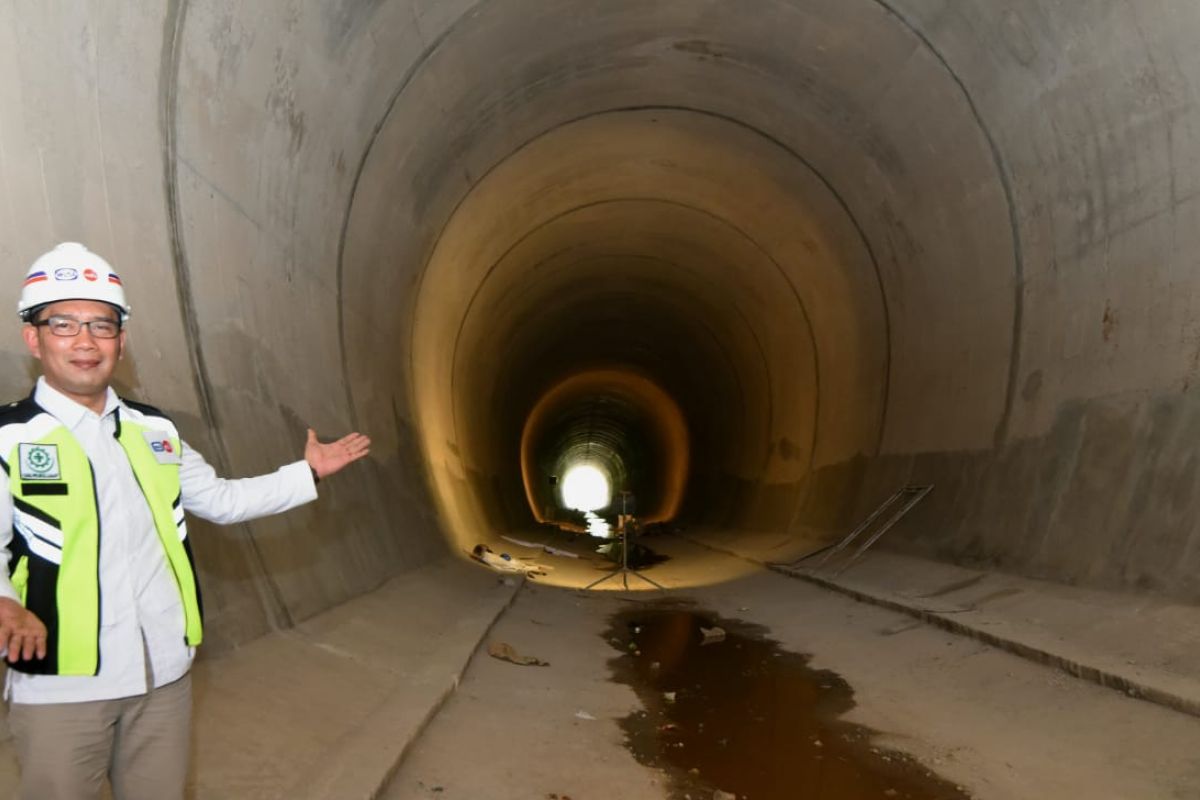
x=78, y=366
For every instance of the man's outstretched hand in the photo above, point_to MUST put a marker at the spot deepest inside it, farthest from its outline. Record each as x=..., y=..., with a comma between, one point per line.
x=21, y=632
x=326, y=459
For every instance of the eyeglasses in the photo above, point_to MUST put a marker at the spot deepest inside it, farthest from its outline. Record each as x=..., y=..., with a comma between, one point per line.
x=69, y=326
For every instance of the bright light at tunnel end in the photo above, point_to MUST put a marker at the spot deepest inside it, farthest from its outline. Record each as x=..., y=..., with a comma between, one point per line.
x=586, y=488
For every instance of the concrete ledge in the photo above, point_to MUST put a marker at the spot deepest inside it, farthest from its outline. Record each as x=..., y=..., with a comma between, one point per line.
x=1130, y=685
x=1144, y=647
x=329, y=708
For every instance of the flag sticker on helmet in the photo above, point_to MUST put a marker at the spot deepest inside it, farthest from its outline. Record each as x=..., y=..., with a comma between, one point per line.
x=71, y=272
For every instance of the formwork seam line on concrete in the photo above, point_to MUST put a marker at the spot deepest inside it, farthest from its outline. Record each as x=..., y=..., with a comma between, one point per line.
x=1110, y=680
x=435, y=709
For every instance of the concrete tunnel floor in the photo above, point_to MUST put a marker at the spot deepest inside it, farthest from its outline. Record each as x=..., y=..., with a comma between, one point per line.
x=764, y=261
x=986, y=722
x=373, y=700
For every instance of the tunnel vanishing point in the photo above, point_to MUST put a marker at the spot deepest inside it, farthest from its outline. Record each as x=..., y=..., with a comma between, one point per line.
x=765, y=260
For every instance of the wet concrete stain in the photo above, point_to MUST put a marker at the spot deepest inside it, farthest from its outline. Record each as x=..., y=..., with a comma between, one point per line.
x=788, y=449
x=1033, y=386
x=732, y=715
x=1109, y=323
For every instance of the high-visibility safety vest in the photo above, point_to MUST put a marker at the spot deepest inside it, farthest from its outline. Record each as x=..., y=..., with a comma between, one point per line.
x=55, y=550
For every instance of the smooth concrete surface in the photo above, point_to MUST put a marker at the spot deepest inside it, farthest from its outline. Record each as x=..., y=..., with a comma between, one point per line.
x=332, y=708
x=529, y=732
x=327, y=709
x=855, y=243
x=1144, y=647
x=998, y=725
x=1141, y=647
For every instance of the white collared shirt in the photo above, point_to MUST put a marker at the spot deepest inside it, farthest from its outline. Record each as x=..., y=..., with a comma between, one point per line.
x=139, y=601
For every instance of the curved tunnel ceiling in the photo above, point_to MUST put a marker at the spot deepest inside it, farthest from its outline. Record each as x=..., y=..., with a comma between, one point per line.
x=857, y=242
x=668, y=191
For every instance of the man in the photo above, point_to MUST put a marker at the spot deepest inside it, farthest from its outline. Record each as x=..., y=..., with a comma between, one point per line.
x=100, y=610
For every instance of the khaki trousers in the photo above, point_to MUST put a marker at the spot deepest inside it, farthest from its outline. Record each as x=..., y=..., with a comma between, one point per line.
x=141, y=743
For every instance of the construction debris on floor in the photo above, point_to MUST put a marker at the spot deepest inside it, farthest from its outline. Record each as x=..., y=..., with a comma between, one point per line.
x=503, y=562
x=506, y=652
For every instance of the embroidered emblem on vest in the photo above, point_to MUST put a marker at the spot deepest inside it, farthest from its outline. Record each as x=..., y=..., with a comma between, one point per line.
x=160, y=445
x=39, y=462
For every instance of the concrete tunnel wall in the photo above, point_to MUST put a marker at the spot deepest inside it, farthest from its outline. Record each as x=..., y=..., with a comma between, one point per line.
x=857, y=242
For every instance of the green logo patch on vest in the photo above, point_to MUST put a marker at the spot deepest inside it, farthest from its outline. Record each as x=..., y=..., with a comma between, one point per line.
x=39, y=462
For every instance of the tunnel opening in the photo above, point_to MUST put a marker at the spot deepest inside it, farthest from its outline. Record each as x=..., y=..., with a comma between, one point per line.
x=736, y=217
x=629, y=221
x=810, y=240
x=586, y=487
x=643, y=315
x=621, y=424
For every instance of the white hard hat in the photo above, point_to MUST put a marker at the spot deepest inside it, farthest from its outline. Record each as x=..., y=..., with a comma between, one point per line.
x=71, y=272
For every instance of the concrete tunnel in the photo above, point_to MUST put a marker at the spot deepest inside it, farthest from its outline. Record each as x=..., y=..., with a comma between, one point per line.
x=766, y=260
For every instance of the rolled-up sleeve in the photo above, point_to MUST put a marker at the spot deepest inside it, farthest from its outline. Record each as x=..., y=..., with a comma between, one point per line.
x=227, y=501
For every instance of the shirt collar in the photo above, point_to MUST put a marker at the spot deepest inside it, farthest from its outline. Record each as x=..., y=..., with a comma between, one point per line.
x=66, y=410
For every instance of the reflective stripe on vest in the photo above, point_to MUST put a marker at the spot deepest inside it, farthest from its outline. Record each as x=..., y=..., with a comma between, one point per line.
x=160, y=485
x=58, y=518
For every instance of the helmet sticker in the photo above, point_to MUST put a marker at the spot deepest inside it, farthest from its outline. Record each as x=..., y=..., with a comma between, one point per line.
x=71, y=272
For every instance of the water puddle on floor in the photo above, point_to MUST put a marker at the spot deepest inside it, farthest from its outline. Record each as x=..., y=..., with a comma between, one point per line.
x=728, y=711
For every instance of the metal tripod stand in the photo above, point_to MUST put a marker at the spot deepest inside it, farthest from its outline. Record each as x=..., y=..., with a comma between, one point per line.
x=624, y=570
